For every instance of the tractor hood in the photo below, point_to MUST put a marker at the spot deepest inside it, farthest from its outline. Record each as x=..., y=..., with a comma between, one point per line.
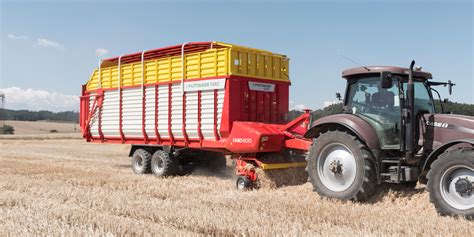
x=442, y=128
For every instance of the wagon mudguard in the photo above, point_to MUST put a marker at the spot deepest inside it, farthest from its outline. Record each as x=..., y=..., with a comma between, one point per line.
x=434, y=154
x=353, y=123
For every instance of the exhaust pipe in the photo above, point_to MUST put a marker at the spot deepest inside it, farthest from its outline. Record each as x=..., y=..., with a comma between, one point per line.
x=410, y=126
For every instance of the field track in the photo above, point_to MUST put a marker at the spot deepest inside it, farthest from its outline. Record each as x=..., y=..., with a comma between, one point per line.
x=70, y=187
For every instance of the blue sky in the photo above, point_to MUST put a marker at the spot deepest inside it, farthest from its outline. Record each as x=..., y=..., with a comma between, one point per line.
x=50, y=47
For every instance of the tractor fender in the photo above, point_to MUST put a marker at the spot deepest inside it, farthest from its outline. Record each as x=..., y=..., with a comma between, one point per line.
x=358, y=126
x=434, y=154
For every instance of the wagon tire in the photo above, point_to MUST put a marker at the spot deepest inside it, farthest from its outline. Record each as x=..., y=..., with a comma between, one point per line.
x=340, y=166
x=164, y=164
x=141, y=161
x=448, y=183
x=243, y=183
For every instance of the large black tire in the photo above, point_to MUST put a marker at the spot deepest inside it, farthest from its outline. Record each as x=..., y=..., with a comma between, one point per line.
x=354, y=180
x=451, y=167
x=141, y=160
x=164, y=164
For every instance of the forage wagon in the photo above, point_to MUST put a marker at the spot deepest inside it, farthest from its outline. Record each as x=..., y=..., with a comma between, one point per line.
x=202, y=99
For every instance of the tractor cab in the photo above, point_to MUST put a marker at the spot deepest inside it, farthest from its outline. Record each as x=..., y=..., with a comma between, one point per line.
x=376, y=95
x=391, y=133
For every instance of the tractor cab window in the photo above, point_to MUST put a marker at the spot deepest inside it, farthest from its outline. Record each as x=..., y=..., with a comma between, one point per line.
x=378, y=106
x=423, y=101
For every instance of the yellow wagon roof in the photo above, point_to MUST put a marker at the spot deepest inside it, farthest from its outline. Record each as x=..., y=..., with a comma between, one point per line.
x=179, y=49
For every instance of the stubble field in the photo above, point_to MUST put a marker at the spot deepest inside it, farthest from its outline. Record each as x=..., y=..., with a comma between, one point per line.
x=70, y=187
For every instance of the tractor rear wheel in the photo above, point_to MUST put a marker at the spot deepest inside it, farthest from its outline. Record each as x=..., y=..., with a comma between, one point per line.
x=164, y=164
x=340, y=166
x=141, y=159
x=451, y=183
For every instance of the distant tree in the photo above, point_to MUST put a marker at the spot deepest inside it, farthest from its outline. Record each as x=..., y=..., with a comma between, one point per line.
x=7, y=129
x=293, y=114
x=329, y=110
x=319, y=113
x=455, y=108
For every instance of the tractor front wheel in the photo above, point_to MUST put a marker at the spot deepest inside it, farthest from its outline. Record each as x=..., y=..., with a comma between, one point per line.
x=340, y=166
x=451, y=183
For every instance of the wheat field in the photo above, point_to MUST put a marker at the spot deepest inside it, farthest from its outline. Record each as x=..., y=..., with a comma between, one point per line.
x=71, y=188
x=42, y=127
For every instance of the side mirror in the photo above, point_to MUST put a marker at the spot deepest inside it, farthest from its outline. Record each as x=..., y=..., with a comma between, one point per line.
x=446, y=100
x=450, y=87
x=338, y=96
x=386, y=80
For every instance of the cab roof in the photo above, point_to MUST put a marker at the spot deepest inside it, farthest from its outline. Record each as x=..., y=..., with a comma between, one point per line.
x=378, y=69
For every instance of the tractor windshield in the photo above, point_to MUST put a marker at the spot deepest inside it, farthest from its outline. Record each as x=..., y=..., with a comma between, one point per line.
x=379, y=107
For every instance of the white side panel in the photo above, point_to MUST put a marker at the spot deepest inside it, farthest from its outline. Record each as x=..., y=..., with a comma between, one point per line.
x=207, y=112
x=220, y=107
x=110, y=113
x=150, y=112
x=132, y=112
x=163, y=111
x=192, y=114
x=176, y=111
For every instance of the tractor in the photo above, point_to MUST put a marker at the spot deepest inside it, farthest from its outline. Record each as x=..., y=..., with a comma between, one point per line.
x=390, y=133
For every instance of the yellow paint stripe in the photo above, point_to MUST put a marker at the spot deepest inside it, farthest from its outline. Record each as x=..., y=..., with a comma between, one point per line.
x=282, y=165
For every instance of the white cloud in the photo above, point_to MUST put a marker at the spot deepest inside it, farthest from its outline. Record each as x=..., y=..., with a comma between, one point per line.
x=30, y=99
x=299, y=107
x=17, y=37
x=100, y=52
x=328, y=103
x=49, y=44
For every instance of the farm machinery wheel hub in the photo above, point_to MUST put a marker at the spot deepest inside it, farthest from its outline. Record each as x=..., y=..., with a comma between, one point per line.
x=464, y=187
x=456, y=187
x=336, y=167
x=332, y=158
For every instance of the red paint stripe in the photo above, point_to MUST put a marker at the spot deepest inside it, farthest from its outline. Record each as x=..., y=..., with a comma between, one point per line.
x=145, y=135
x=193, y=143
x=170, y=132
x=216, y=134
x=184, y=119
x=157, y=134
x=100, y=98
x=87, y=131
x=122, y=136
x=99, y=127
x=201, y=137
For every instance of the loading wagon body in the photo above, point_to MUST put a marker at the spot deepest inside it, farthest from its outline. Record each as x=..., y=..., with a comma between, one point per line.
x=206, y=95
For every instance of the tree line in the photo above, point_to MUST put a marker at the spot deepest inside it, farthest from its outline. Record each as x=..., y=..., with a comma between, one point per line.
x=71, y=116
x=26, y=115
x=449, y=107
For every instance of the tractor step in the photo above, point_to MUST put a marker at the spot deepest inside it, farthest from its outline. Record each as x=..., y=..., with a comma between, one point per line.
x=398, y=174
